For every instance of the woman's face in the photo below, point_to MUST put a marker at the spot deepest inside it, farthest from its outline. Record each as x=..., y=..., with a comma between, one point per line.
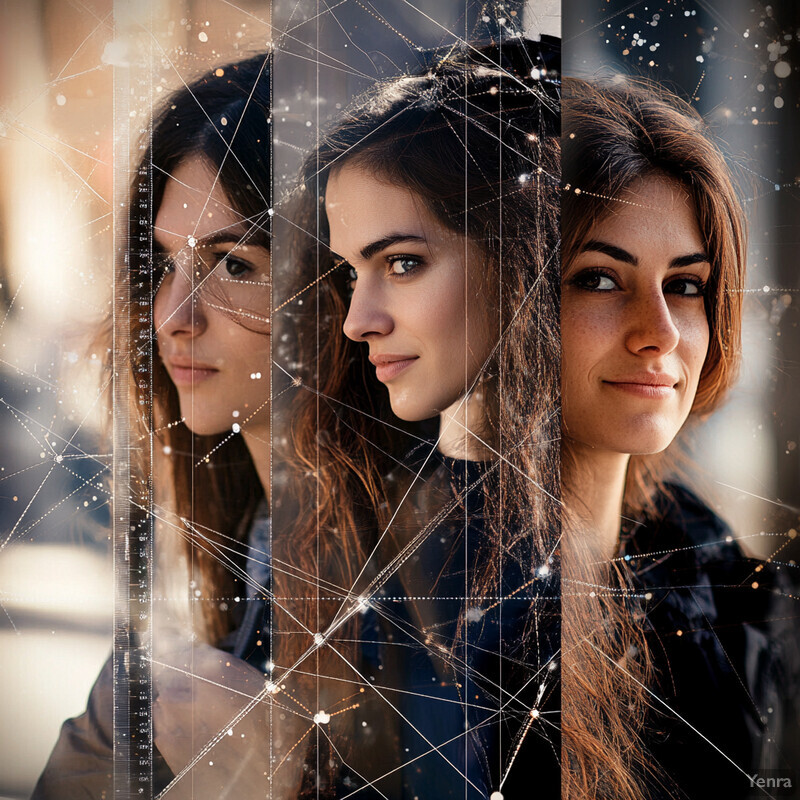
x=211, y=311
x=633, y=322
x=419, y=300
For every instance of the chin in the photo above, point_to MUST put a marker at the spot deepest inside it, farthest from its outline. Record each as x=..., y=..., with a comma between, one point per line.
x=205, y=427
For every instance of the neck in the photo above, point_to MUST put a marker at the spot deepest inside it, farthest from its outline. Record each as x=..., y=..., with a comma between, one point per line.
x=593, y=493
x=259, y=445
x=461, y=427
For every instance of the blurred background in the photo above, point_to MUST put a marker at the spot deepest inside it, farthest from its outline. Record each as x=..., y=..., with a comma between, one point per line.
x=59, y=130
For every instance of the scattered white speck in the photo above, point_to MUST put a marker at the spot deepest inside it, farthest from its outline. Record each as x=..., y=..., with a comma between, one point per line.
x=202, y=36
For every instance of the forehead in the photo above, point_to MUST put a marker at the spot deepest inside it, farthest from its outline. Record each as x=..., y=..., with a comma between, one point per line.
x=194, y=204
x=654, y=213
x=363, y=208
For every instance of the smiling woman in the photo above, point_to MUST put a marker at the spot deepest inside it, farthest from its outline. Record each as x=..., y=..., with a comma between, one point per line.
x=416, y=298
x=424, y=376
x=671, y=668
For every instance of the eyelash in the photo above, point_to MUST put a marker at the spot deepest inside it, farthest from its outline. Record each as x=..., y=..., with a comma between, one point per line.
x=580, y=280
x=391, y=261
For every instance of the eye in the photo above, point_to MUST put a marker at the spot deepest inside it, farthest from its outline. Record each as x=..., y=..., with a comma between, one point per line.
x=234, y=267
x=691, y=286
x=594, y=280
x=402, y=265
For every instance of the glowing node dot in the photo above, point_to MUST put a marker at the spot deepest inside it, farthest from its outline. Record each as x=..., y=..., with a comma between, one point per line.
x=61, y=100
x=219, y=72
x=496, y=796
x=271, y=212
x=191, y=241
x=230, y=731
x=59, y=459
x=534, y=713
x=236, y=427
x=272, y=687
x=202, y=36
x=321, y=718
x=319, y=639
x=765, y=290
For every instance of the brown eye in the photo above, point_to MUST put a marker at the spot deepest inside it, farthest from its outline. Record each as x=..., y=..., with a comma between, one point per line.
x=593, y=280
x=686, y=287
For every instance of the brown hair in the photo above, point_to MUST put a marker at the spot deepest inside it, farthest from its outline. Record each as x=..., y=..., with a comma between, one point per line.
x=613, y=134
x=479, y=145
x=223, y=118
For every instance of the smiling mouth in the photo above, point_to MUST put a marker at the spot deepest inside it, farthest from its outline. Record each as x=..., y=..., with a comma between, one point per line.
x=388, y=367
x=654, y=391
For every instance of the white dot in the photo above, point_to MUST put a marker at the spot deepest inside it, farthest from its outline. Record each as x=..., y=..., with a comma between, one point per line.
x=202, y=36
x=778, y=102
x=61, y=100
x=319, y=639
x=782, y=69
x=191, y=241
x=765, y=290
x=321, y=718
x=236, y=427
x=496, y=796
x=235, y=414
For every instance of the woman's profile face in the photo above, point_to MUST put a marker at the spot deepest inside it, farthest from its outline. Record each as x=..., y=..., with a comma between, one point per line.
x=211, y=311
x=419, y=298
x=633, y=322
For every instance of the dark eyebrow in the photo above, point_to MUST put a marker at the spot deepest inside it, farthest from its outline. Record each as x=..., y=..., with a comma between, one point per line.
x=369, y=250
x=687, y=261
x=614, y=252
x=628, y=258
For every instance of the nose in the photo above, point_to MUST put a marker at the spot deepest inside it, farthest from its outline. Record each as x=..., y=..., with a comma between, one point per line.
x=367, y=316
x=651, y=328
x=177, y=310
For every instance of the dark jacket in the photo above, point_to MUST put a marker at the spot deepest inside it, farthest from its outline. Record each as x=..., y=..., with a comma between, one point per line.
x=457, y=719
x=723, y=635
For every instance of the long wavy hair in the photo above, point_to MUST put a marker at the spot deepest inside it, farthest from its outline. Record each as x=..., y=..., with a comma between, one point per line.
x=222, y=117
x=615, y=133
x=476, y=138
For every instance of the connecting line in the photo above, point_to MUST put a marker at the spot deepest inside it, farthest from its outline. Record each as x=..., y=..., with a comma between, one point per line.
x=368, y=784
x=284, y=34
x=259, y=698
x=166, y=57
x=759, y=497
x=672, y=711
x=402, y=716
x=245, y=236
x=412, y=760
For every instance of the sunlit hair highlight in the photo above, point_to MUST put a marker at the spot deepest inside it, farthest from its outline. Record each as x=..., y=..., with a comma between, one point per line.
x=615, y=133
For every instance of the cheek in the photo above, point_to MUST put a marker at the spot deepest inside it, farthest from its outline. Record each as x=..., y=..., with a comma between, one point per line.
x=586, y=333
x=694, y=342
